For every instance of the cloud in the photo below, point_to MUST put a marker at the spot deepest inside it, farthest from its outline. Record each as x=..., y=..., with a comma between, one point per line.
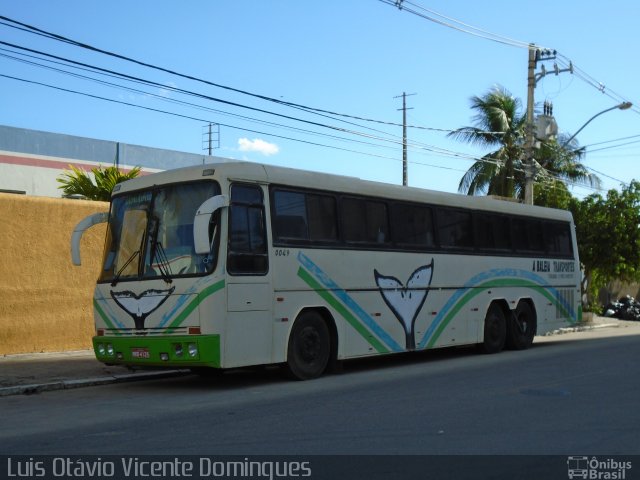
x=257, y=145
x=166, y=92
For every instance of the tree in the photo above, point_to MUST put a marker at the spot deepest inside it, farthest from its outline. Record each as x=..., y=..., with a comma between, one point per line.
x=608, y=233
x=500, y=125
x=552, y=193
x=96, y=185
x=559, y=163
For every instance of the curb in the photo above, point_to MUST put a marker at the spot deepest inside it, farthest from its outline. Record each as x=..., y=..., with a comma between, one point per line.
x=31, y=389
x=582, y=328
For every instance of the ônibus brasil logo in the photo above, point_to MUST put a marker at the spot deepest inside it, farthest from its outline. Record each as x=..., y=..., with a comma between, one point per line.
x=594, y=468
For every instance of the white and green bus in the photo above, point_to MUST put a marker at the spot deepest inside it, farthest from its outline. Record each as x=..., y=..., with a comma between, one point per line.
x=234, y=264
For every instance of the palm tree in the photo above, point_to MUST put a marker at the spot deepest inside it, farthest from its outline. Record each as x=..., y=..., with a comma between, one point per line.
x=97, y=186
x=560, y=160
x=500, y=125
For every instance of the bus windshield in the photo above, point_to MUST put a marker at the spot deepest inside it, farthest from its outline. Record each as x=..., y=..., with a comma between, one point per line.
x=150, y=234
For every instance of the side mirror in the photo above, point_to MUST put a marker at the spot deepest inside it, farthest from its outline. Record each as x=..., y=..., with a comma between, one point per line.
x=83, y=225
x=201, y=221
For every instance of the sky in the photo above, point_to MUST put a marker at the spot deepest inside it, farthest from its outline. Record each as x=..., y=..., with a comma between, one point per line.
x=348, y=60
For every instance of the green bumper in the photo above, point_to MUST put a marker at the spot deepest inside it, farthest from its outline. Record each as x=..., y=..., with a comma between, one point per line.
x=175, y=352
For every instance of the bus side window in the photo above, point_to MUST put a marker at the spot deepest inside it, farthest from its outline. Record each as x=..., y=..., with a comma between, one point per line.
x=247, y=233
x=558, y=239
x=527, y=236
x=365, y=221
x=492, y=232
x=412, y=226
x=455, y=228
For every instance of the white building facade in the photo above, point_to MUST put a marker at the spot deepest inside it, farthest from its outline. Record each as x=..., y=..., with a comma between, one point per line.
x=31, y=161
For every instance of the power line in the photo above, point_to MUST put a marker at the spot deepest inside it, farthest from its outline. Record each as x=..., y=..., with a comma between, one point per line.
x=114, y=74
x=37, y=31
x=188, y=117
x=108, y=72
x=100, y=70
x=451, y=23
x=416, y=147
x=175, y=89
x=611, y=141
x=200, y=120
x=455, y=24
x=598, y=85
x=607, y=176
x=613, y=146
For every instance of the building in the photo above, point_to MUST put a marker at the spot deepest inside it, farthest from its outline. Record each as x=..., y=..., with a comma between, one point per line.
x=31, y=160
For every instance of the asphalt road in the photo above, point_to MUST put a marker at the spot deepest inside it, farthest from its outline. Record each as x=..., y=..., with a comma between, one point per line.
x=574, y=393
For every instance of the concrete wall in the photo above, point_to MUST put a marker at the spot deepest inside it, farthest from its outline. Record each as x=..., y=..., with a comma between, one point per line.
x=617, y=290
x=46, y=302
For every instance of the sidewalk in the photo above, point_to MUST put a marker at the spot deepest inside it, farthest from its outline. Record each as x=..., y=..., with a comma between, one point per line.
x=37, y=372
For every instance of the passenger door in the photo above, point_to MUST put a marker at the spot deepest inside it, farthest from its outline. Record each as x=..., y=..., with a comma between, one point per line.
x=249, y=329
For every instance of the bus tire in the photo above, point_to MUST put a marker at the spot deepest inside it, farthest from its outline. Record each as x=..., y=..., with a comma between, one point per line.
x=522, y=327
x=495, y=330
x=309, y=347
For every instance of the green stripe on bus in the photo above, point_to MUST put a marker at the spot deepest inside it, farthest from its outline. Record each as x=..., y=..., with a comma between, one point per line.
x=211, y=289
x=507, y=282
x=341, y=309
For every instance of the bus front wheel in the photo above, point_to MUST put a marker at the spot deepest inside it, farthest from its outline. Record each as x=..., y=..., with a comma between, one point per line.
x=309, y=347
x=495, y=330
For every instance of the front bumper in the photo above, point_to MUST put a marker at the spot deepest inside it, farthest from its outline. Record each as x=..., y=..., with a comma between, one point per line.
x=182, y=351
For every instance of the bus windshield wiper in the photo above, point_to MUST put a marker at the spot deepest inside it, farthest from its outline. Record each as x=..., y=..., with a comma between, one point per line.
x=163, y=262
x=157, y=251
x=126, y=264
x=137, y=253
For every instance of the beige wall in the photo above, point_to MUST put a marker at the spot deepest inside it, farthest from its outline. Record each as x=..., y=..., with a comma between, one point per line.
x=46, y=302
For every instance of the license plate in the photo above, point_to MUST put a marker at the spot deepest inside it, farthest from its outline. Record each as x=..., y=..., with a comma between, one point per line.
x=141, y=352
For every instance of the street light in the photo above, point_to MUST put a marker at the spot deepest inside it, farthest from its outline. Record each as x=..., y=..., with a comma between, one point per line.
x=622, y=106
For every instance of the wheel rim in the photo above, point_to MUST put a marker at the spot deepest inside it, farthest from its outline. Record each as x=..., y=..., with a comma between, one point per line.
x=522, y=323
x=310, y=345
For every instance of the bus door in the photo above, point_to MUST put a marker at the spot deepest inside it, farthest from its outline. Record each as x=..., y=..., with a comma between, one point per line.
x=249, y=326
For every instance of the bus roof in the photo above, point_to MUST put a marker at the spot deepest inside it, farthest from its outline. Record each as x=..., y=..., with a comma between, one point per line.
x=237, y=170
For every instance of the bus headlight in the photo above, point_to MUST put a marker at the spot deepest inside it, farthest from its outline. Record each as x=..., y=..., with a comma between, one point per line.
x=101, y=349
x=193, y=350
x=178, y=349
x=109, y=349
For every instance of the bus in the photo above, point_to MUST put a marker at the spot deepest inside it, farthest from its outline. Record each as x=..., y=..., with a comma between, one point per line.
x=235, y=264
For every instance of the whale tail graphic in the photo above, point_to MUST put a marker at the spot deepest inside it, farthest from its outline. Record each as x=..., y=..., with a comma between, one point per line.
x=406, y=301
x=140, y=306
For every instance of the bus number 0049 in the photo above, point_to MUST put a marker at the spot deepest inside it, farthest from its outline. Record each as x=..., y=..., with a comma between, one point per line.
x=282, y=252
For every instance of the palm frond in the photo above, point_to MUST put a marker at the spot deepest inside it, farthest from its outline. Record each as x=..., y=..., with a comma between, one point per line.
x=95, y=185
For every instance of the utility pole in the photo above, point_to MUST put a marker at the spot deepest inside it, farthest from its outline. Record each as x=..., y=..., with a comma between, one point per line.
x=535, y=55
x=529, y=169
x=212, y=135
x=404, y=135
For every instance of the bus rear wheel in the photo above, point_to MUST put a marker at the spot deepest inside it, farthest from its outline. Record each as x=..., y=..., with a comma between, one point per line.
x=495, y=330
x=309, y=347
x=522, y=327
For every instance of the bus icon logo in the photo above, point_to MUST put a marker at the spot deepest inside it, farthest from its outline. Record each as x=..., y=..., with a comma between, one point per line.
x=578, y=467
